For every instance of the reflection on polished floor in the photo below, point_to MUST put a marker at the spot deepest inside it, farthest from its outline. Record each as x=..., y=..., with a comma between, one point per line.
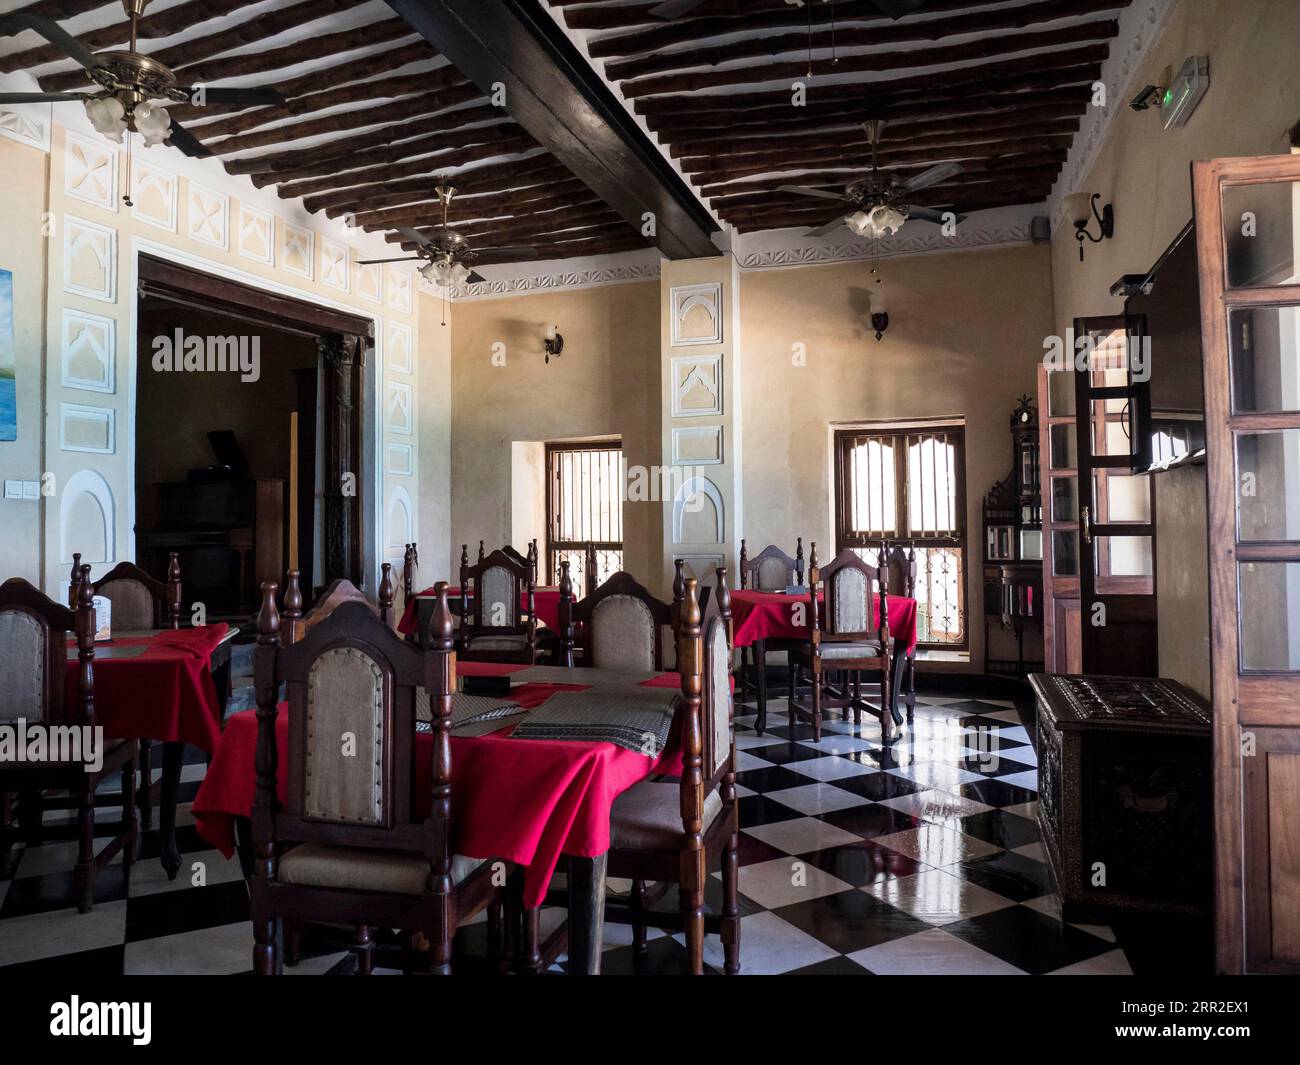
x=854, y=859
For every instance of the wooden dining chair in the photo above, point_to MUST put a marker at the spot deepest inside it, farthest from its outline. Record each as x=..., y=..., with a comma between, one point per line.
x=620, y=626
x=848, y=634
x=666, y=833
x=498, y=617
x=296, y=624
x=34, y=632
x=902, y=581
x=347, y=846
x=139, y=602
x=771, y=570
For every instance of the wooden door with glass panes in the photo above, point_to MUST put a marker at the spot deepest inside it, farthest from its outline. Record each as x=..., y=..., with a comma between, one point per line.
x=1116, y=521
x=1062, y=649
x=1248, y=247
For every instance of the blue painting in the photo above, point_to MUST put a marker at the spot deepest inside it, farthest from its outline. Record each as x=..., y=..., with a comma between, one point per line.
x=8, y=398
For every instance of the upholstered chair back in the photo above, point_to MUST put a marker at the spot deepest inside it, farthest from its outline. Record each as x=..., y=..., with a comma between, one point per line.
x=134, y=605
x=717, y=692
x=24, y=665
x=348, y=708
x=498, y=607
x=850, y=609
x=773, y=575
x=623, y=634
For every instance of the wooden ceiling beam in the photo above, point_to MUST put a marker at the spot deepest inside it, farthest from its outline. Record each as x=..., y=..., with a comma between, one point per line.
x=434, y=151
x=433, y=166
x=658, y=60
x=160, y=24
x=938, y=148
x=836, y=181
x=844, y=16
x=419, y=192
x=491, y=178
x=908, y=109
x=898, y=133
x=451, y=123
x=402, y=85
x=505, y=236
x=524, y=226
x=992, y=49
x=574, y=194
x=582, y=14
x=1050, y=69
x=557, y=97
x=446, y=101
x=583, y=246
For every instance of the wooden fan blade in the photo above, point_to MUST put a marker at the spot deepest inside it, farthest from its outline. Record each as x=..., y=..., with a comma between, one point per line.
x=181, y=138
x=828, y=228
x=474, y=278
x=932, y=176
x=40, y=97
x=399, y=259
x=929, y=214
x=670, y=9
x=412, y=234
x=242, y=97
x=12, y=25
x=803, y=190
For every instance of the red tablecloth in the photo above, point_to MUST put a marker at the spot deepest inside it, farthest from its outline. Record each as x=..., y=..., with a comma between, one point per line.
x=528, y=801
x=546, y=601
x=165, y=693
x=771, y=616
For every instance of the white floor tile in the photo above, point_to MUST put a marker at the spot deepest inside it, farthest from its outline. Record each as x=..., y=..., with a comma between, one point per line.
x=802, y=835
x=929, y=952
x=785, y=881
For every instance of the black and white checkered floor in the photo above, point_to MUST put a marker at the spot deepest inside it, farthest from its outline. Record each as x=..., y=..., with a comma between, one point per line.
x=923, y=858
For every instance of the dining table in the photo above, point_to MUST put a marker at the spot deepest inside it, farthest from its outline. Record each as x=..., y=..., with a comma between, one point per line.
x=546, y=601
x=534, y=789
x=165, y=685
x=783, y=617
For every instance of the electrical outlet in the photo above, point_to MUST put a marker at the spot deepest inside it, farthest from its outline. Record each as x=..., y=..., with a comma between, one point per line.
x=31, y=489
x=13, y=489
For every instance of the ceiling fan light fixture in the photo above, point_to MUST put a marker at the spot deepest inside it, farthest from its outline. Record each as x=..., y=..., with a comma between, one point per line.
x=879, y=221
x=859, y=222
x=108, y=116
x=153, y=123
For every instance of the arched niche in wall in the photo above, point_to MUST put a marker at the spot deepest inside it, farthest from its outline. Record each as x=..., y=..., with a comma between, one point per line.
x=86, y=519
x=398, y=530
x=699, y=516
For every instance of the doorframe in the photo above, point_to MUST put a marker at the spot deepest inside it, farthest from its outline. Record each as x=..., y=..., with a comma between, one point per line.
x=372, y=429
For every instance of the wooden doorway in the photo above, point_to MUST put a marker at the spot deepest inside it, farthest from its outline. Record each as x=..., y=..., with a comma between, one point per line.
x=340, y=349
x=1250, y=332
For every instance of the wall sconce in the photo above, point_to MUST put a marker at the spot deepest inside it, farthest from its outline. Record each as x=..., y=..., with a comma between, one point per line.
x=1081, y=209
x=553, y=341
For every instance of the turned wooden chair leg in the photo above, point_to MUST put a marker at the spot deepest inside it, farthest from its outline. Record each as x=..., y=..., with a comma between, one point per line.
x=292, y=942
x=639, y=928
x=146, y=785
x=532, y=954
x=128, y=827
x=817, y=704
x=364, y=950
x=84, y=873
x=731, y=905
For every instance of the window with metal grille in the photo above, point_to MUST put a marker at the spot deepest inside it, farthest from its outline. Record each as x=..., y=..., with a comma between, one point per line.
x=584, y=503
x=907, y=485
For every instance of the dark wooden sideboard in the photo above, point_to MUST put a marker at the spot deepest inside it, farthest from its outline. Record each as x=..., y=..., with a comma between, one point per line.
x=1125, y=797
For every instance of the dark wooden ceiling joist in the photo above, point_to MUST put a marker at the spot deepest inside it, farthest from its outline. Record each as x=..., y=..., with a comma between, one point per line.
x=495, y=177
x=764, y=14
x=901, y=133
x=992, y=49
x=556, y=97
x=663, y=35
x=523, y=227
x=454, y=125
x=417, y=193
x=957, y=145
x=546, y=197
x=449, y=103
x=626, y=239
x=659, y=60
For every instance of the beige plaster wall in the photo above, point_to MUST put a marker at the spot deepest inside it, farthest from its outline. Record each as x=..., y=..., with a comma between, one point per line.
x=605, y=383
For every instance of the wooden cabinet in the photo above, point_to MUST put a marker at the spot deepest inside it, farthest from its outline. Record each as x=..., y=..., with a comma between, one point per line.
x=1124, y=794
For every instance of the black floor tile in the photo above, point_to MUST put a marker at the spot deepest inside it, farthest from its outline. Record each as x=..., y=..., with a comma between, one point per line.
x=849, y=920
x=187, y=910
x=1029, y=940
x=879, y=786
x=770, y=778
x=57, y=891
x=871, y=820
x=840, y=966
x=997, y=826
x=997, y=793
x=862, y=863
x=1012, y=876
x=760, y=810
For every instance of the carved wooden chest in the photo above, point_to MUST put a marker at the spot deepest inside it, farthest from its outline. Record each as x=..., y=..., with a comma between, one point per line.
x=1124, y=799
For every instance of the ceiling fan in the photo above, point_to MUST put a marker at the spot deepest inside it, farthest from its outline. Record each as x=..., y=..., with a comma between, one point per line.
x=132, y=86
x=671, y=9
x=879, y=200
x=447, y=255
